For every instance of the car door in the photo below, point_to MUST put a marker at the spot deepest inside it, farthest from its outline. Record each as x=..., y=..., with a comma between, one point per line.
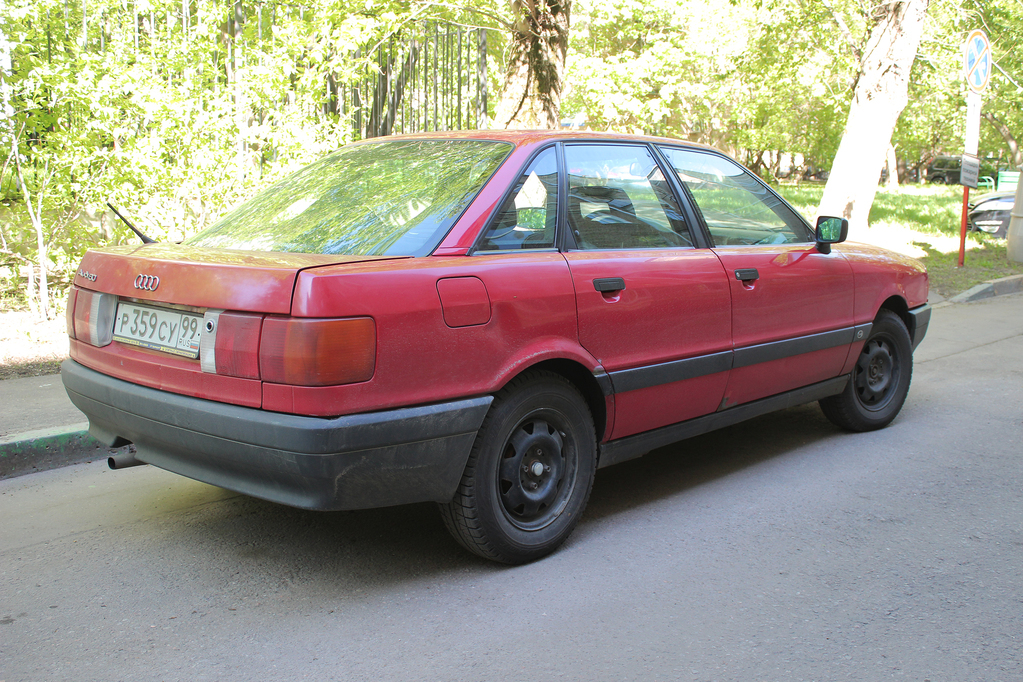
x=652, y=307
x=792, y=306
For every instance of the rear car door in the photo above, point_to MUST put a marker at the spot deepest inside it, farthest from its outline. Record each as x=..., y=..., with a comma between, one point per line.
x=792, y=306
x=652, y=307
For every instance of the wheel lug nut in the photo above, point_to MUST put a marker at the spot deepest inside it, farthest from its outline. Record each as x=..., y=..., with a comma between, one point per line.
x=547, y=468
x=533, y=486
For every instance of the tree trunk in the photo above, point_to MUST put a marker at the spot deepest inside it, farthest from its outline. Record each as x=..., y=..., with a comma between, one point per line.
x=880, y=95
x=241, y=105
x=1010, y=139
x=892, y=164
x=533, y=82
x=6, y=90
x=35, y=214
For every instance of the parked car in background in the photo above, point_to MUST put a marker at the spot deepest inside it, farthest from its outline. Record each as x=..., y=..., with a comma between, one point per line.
x=482, y=319
x=991, y=213
x=944, y=170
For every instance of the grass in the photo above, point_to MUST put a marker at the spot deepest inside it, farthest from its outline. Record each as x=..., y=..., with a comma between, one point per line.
x=987, y=262
x=923, y=221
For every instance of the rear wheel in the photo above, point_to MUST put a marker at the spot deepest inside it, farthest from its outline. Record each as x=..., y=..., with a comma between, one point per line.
x=529, y=474
x=880, y=379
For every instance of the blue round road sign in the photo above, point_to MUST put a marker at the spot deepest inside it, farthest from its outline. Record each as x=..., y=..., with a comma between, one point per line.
x=977, y=61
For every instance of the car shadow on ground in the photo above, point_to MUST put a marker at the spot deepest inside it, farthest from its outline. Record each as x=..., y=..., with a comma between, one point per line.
x=682, y=466
x=260, y=541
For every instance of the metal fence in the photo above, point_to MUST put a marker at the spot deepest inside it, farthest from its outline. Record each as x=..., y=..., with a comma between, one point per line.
x=433, y=76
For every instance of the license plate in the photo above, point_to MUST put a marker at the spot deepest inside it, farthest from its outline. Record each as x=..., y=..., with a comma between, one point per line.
x=163, y=329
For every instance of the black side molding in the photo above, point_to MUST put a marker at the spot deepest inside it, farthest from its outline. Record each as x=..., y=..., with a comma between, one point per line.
x=631, y=447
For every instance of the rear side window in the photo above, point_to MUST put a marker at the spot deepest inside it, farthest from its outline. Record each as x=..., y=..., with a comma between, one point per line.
x=736, y=207
x=383, y=198
x=529, y=216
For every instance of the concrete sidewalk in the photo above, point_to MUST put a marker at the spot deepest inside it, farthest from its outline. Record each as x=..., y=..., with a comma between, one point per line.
x=40, y=429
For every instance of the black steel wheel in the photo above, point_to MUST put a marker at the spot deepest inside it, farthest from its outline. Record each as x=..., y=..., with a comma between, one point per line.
x=880, y=379
x=530, y=472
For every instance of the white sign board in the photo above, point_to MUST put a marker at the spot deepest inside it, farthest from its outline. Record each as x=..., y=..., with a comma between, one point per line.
x=973, y=103
x=977, y=66
x=970, y=172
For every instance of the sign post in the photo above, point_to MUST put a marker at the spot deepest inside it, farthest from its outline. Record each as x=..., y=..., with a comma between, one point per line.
x=977, y=69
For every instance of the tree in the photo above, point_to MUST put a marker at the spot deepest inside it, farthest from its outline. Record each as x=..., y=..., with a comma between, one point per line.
x=175, y=110
x=879, y=96
x=1015, y=152
x=745, y=76
x=533, y=82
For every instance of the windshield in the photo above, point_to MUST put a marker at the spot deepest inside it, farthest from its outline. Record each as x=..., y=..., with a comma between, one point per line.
x=394, y=198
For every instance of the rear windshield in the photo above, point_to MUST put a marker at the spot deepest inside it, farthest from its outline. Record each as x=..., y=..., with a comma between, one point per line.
x=394, y=198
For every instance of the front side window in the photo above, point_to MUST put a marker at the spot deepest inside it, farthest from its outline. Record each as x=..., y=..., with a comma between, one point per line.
x=737, y=208
x=528, y=218
x=618, y=199
x=394, y=198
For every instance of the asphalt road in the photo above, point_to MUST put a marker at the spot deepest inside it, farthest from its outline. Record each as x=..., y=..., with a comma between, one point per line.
x=780, y=549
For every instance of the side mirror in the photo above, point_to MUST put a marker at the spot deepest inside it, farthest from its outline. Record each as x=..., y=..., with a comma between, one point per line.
x=830, y=231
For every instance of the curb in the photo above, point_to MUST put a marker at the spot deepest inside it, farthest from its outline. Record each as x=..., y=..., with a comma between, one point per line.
x=27, y=453
x=996, y=287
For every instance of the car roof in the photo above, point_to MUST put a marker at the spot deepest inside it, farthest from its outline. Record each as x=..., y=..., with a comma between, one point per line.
x=521, y=138
x=994, y=195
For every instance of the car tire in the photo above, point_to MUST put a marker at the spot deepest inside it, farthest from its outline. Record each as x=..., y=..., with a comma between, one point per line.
x=529, y=473
x=879, y=381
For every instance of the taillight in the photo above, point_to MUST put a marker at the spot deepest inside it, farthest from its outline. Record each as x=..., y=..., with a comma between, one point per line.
x=317, y=352
x=93, y=319
x=230, y=344
x=69, y=313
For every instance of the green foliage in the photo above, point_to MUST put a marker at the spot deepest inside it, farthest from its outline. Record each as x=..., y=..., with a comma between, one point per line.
x=745, y=76
x=172, y=110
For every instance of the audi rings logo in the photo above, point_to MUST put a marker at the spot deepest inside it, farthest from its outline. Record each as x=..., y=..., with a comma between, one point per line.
x=147, y=282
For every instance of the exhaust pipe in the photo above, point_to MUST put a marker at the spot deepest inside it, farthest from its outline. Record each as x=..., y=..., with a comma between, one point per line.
x=124, y=461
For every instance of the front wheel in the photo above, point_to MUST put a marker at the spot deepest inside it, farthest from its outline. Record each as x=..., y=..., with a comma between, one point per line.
x=529, y=474
x=880, y=379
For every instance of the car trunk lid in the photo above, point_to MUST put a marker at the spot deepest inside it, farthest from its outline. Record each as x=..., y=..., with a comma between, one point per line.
x=202, y=278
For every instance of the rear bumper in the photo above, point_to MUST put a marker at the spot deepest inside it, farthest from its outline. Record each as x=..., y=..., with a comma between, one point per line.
x=413, y=454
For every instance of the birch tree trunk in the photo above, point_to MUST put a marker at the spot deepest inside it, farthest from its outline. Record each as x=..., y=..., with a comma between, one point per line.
x=241, y=106
x=36, y=216
x=6, y=106
x=892, y=164
x=531, y=97
x=880, y=95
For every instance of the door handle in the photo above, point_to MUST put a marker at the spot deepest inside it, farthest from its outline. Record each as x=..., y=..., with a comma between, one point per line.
x=747, y=274
x=606, y=284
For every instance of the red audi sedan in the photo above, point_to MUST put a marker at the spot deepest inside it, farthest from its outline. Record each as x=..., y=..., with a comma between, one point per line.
x=483, y=319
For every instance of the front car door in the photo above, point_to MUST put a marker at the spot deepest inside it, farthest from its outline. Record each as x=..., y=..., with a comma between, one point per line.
x=792, y=306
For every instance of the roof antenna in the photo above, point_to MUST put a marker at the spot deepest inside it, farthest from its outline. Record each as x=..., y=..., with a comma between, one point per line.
x=144, y=238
